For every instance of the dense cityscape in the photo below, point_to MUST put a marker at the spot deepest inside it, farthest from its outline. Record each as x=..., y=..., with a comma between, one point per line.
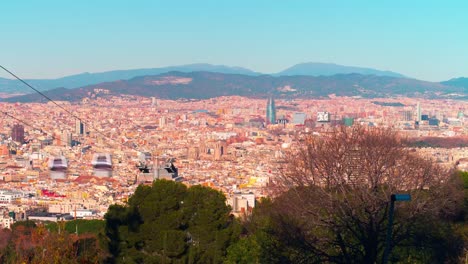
x=233, y=132
x=236, y=150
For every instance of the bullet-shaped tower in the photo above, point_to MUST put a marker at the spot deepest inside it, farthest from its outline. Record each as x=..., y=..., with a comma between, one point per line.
x=271, y=111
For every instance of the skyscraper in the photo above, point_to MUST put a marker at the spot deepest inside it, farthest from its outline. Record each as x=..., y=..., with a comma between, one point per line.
x=162, y=121
x=66, y=138
x=79, y=127
x=418, y=112
x=271, y=111
x=17, y=133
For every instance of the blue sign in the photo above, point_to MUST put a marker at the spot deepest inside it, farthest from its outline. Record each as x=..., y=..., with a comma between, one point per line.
x=401, y=197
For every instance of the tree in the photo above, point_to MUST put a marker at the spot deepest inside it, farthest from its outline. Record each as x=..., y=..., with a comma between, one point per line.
x=28, y=243
x=170, y=223
x=244, y=251
x=461, y=223
x=210, y=225
x=262, y=228
x=335, y=189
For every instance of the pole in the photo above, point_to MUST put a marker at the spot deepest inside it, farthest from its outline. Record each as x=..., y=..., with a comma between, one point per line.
x=389, y=231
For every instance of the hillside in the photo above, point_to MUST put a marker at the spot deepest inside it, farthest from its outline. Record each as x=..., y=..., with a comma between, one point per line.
x=84, y=79
x=329, y=69
x=457, y=82
x=10, y=86
x=200, y=85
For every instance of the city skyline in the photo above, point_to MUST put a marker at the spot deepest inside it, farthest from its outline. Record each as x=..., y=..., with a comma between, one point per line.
x=418, y=39
x=154, y=131
x=60, y=171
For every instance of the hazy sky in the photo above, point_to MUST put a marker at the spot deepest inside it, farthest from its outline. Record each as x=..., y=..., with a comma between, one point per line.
x=46, y=39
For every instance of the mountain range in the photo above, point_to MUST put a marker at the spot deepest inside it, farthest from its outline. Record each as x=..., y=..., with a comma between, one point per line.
x=202, y=85
x=206, y=80
x=328, y=69
x=83, y=79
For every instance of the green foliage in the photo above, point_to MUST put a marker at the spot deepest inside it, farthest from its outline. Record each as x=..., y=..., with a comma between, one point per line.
x=84, y=226
x=275, y=236
x=51, y=226
x=429, y=240
x=464, y=177
x=244, y=251
x=27, y=224
x=461, y=227
x=170, y=223
x=262, y=227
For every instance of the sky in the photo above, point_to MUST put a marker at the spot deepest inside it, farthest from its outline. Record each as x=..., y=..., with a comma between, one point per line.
x=426, y=40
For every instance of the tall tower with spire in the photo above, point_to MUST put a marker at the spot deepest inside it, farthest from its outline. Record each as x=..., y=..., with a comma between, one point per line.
x=271, y=111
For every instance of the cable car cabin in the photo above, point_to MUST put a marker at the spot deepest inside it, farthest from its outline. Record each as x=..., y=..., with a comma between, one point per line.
x=167, y=171
x=58, y=167
x=102, y=165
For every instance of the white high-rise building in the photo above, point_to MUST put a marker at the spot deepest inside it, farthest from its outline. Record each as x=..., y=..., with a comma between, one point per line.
x=418, y=112
x=162, y=121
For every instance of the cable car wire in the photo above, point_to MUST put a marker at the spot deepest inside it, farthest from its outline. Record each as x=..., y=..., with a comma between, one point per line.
x=63, y=108
x=26, y=123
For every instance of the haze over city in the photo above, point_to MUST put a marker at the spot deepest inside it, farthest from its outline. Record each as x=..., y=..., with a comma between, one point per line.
x=233, y=132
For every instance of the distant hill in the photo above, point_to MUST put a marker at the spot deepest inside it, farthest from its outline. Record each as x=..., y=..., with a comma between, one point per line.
x=57, y=94
x=461, y=83
x=84, y=79
x=11, y=86
x=457, y=82
x=328, y=69
x=201, y=85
